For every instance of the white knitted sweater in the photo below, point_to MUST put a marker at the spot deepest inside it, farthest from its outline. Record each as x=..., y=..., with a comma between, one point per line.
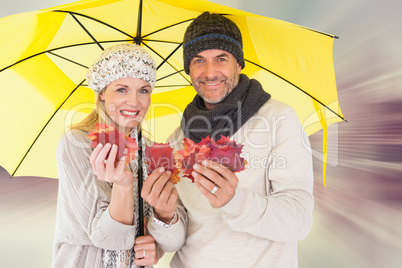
x=84, y=227
x=271, y=210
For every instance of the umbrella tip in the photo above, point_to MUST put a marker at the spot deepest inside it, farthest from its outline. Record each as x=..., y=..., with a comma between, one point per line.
x=336, y=37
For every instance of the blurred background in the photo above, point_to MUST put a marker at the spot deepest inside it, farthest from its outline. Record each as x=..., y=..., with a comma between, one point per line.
x=358, y=217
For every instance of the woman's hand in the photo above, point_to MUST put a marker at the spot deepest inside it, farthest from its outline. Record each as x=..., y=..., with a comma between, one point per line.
x=145, y=251
x=158, y=190
x=105, y=168
x=121, y=206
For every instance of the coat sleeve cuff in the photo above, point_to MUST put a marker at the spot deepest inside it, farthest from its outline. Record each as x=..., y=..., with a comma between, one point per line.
x=114, y=228
x=168, y=239
x=235, y=206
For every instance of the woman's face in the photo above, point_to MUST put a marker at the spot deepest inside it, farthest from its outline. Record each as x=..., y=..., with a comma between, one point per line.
x=127, y=101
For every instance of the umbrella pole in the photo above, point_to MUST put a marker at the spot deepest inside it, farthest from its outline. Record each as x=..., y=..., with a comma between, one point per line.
x=140, y=170
x=140, y=183
x=139, y=25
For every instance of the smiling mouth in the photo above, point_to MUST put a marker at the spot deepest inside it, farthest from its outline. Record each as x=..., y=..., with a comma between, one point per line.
x=129, y=113
x=211, y=83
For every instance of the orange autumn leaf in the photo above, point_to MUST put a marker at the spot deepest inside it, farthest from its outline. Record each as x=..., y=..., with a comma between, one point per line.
x=161, y=155
x=191, y=154
x=104, y=134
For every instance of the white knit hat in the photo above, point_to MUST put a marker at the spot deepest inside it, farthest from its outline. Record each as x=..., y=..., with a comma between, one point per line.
x=123, y=60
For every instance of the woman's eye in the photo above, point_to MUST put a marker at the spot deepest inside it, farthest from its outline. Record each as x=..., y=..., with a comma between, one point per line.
x=121, y=90
x=145, y=90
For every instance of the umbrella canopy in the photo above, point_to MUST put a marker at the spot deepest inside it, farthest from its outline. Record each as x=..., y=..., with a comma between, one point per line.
x=45, y=55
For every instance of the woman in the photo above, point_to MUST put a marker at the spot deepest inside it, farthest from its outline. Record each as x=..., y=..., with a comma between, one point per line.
x=97, y=209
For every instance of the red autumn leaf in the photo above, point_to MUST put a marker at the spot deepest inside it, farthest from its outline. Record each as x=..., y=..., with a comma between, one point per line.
x=104, y=134
x=224, y=151
x=227, y=153
x=161, y=155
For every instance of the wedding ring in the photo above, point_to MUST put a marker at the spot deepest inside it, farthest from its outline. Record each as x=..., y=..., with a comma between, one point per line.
x=214, y=189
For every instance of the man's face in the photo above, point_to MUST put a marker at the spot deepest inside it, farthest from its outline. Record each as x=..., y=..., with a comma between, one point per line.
x=214, y=74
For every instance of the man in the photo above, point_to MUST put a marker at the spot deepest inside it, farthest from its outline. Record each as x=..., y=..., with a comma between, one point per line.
x=248, y=219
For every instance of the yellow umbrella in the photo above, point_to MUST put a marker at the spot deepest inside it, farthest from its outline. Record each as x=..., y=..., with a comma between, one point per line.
x=45, y=54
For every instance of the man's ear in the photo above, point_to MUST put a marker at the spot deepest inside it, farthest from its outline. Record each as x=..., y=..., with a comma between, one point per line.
x=238, y=67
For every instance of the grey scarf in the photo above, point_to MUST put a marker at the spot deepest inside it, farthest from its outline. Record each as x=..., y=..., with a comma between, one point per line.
x=227, y=116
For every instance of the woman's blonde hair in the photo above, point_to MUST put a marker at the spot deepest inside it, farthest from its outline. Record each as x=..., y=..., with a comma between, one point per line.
x=98, y=115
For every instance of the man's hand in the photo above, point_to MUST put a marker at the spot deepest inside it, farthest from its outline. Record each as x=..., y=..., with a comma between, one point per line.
x=210, y=174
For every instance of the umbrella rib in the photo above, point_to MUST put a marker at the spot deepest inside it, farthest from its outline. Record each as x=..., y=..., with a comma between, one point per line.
x=91, y=18
x=173, y=86
x=64, y=58
x=27, y=58
x=169, y=75
x=329, y=35
x=161, y=41
x=167, y=61
x=57, y=48
x=287, y=81
x=167, y=27
x=86, y=30
x=47, y=123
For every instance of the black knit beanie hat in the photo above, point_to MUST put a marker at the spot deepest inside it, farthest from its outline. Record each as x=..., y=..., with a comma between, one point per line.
x=212, y=31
